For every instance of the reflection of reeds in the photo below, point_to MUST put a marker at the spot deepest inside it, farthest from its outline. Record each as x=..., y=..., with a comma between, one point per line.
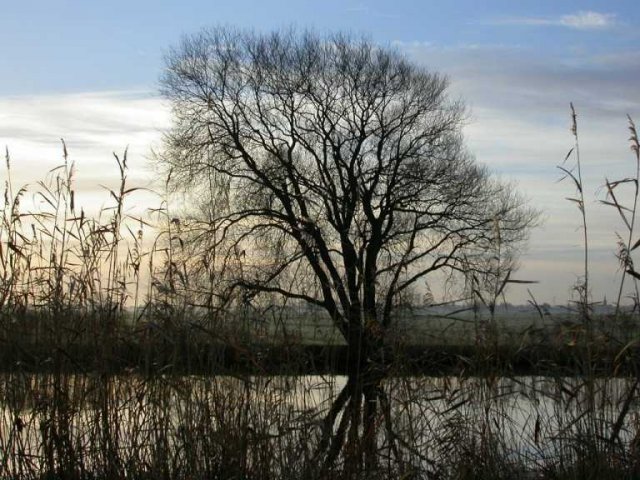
x=266, y=427
x=156, y=427
x=102, y=381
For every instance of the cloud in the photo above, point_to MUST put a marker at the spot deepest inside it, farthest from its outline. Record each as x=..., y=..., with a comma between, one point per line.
x=583, y=20
x=94, y=127
x=588, y=20
x=519, y=127
x=412, y=44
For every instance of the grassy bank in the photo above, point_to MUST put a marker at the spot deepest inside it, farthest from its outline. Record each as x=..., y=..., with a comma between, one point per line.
x=188, y=351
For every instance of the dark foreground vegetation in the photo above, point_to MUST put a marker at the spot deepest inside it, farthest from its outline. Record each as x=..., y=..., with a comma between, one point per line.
x=165, y=409
x=192, y=350
x=120, y=359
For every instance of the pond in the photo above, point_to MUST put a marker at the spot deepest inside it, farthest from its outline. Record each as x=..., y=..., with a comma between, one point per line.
x=200, y=424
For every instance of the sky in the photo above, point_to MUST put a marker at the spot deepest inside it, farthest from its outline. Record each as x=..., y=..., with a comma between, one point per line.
x=88, y=72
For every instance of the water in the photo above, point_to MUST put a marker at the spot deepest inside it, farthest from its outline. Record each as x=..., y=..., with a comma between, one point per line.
x=92, y=420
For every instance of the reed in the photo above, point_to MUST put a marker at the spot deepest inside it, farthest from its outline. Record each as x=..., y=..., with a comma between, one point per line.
x=122, y=359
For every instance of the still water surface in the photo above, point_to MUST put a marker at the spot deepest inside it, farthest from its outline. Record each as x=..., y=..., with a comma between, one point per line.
x=529, y=419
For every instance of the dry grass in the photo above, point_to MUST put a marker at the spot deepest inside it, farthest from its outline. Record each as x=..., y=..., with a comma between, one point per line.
x=99, y=324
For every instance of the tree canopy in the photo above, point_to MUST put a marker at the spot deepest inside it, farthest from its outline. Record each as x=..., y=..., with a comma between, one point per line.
x=331, y=171
x=335, y=167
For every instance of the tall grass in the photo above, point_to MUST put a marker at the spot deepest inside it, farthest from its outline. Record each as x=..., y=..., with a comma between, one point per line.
x=121, y=360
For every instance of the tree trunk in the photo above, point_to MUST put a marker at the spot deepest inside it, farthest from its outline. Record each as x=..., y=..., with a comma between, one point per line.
x=365, y=375
x=356, y=435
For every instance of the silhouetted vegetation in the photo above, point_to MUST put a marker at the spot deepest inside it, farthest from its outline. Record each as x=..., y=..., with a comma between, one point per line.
x=162, y=347
x=339, y=180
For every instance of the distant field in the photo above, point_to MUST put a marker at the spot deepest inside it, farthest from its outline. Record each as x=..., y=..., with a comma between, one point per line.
x=462, y=329
x=307, y=342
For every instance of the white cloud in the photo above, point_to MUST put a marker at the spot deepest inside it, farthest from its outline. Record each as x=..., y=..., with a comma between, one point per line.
x=519, y=127
x=588, y=20
x=412, y=44
x=583, y=20
x=94, y=126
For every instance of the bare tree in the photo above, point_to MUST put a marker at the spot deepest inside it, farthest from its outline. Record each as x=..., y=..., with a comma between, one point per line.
x=333, y=173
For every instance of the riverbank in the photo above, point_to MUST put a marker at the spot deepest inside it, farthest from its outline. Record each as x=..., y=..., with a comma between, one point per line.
x=195, y=358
